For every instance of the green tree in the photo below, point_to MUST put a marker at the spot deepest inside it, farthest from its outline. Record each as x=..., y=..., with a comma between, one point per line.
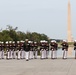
x=21, y=35
x=10, y=33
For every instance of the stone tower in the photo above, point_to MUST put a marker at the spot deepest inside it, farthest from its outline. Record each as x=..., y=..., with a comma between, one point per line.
x=69, y=31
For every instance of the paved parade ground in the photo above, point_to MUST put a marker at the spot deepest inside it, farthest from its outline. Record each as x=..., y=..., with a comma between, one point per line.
x=38, y=67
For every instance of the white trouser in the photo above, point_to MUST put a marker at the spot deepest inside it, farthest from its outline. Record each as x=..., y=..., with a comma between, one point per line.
x=19, y=54
x=52, y=54
x=11, y=52
x=27, y=55
x=0, y=54
x=31, y=54
x=36, y=54
x=55, y=54
x=22, y=54
x=64, y=53
x=42, y=54
x=75, y=54
x=47, y=53
x=14, y=54
x=8, y=54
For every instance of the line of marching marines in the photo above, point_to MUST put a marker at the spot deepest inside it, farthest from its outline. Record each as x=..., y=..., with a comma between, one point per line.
x=29, y=49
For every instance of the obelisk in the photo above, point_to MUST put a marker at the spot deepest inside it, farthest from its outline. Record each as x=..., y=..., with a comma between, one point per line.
x=69, y=31
x=69, y=39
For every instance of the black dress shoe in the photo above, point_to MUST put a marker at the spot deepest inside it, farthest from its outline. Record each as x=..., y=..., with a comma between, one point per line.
x=27, y=60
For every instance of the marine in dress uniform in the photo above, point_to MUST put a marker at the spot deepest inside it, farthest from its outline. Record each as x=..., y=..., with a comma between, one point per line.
x=35, y=50
x=31, y=50
x=42, y=49
x=18, y=50
x=75, y=48
x=47, y=49
x=7, y=50
x=53, y=49
x=64, y=48
x=14, y=49
x=10, y=50
x=2, y=50
x=22, y=50
x=56, y=47
x=3, y=47
x=26, y=47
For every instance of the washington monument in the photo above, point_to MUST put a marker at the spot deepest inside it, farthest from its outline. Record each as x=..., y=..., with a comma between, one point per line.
x=69, y=31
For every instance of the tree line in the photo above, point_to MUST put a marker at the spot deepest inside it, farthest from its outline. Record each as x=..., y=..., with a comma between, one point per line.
x=11, y=34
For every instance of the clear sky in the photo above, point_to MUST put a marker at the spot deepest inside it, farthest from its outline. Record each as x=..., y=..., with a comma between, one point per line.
x=42, y=16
